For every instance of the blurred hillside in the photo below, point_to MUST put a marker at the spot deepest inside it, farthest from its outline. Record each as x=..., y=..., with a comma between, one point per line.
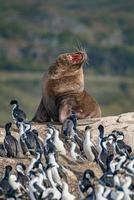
x=34, y=32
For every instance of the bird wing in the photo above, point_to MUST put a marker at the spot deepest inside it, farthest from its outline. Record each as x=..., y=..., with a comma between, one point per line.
x=20, y=114
x=79, y=142
x=10, y=145
x=30, y=140
x=95, y=152
x=23, y=145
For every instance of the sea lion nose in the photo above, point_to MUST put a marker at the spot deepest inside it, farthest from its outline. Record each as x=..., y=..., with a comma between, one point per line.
x=83, y=54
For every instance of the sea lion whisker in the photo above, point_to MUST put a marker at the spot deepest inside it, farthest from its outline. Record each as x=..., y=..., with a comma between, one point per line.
x=78, y=45
x=82, y=48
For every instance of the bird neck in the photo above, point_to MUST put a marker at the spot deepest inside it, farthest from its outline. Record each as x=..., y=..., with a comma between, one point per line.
x=52, y=159
x=56, y=135
x=122, y=160
x=7, y=174
x=38, y=156
x=21, y=128
x=103, y=145
x=38, y=147
x=20, y=173
x=27, y=129
x=73, y=146
x=8, y=132
x=101, y=135
x=15, y=107
x=88, y=135
x=47, y=138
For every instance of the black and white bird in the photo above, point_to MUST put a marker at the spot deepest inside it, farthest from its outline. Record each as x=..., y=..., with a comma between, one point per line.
x=103, y=154
x=36, y=183
x=70, y=124
x=4, y=182
x=129, y=166
x=110, y=145
x=101, y=131
x=16, y=186
x=73, y=117
x=76, y=156
x=36, y=160
x=108, y=177
x=118, y=162
x=16, y=111
x=66, y=195
x=28, y=138
x=51, y=193
x=121, y=147
x=32, y=166
x=58, y=142
x=89, y=148
x=54, y=166
x=21, y=175
x=99, y=191
x=49, y=147
x=36, y=173
x=22, y=137
x=71, y=133
x=85, y=185
x=106, y=148
x=101, y=136
x=54, y=180
x=126, y=184
x=11, y=144
x=67, y=127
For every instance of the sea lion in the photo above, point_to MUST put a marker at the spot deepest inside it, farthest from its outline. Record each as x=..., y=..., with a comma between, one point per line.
x=63, y=91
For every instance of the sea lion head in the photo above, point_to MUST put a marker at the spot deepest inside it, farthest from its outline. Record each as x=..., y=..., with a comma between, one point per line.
x=72, y=59
x=67, y=63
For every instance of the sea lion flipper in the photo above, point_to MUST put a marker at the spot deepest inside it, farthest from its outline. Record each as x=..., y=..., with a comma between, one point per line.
x=41, y=114
x=64, y=111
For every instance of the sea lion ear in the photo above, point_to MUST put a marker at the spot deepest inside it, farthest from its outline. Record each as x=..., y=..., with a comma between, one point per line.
x=64, y=112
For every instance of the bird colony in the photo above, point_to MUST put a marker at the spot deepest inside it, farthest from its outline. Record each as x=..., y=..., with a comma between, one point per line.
x=44, y=178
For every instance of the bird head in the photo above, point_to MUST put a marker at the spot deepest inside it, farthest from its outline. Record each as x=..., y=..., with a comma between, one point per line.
x=13, y=102
x=20, y=167
x=8, y=126
x=101, y=130
x=88, y=174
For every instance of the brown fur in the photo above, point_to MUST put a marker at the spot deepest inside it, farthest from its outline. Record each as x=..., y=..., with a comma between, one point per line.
x=63, y=91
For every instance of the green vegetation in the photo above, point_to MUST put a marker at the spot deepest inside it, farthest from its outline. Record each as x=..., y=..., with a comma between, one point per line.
x=33, y=33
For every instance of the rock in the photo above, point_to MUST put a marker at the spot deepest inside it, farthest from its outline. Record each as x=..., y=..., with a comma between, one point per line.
x=123, y=122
